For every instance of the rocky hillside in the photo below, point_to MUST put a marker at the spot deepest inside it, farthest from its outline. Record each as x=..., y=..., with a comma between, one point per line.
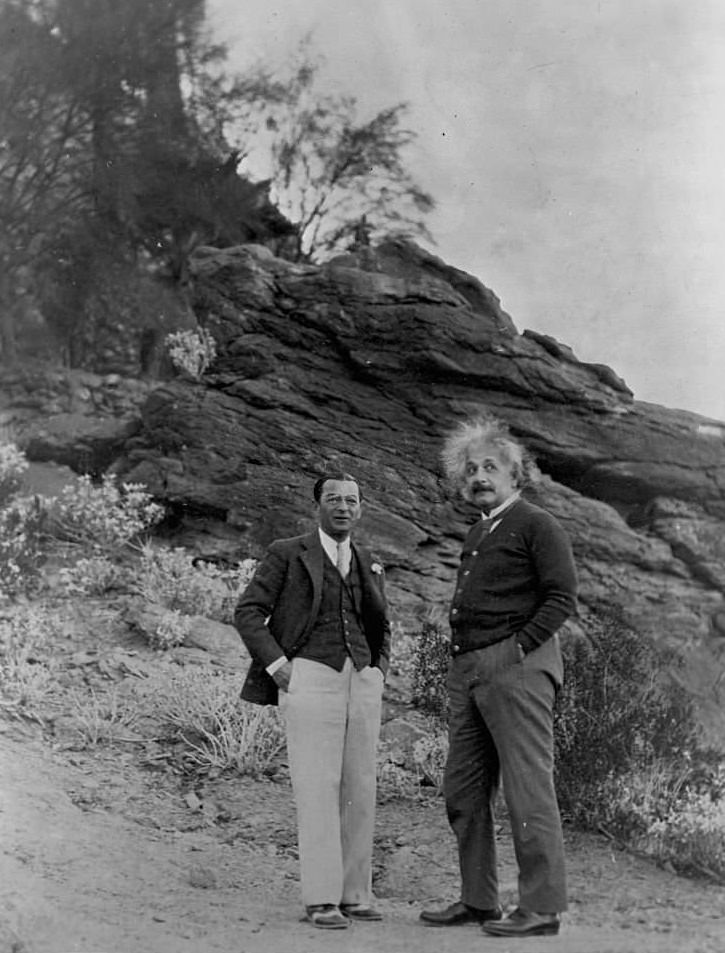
x=365, y=362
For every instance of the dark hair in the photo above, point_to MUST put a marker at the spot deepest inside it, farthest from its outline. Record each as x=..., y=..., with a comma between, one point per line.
x=333, y=475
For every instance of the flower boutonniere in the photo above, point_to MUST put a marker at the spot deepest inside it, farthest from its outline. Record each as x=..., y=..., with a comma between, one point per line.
x=377, y=569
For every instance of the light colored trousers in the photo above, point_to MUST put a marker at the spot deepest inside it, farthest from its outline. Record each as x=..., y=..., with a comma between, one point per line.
x=332, y=721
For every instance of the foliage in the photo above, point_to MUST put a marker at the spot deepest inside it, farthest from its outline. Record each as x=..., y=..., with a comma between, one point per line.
x=22, y=525
x=44, y=153
x=430, y=668
x=174, y=578
x=627, y=756
x=93, y=576
x=674, y=813
x=619, y=711
x=111, y=146
x=106, y=516
x=430, y=753
x=217, y=729
x=336, y=175
x=13, y=465
x=172, y=630
x=26, y=661
x=100, y=718
x=690, y=835
x=192, y=351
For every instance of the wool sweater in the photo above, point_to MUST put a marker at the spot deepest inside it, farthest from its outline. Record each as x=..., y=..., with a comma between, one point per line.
x=518, y=580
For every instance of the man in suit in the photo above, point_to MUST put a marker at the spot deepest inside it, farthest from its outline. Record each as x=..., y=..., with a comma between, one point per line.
x=314, y=618
x=516, y=586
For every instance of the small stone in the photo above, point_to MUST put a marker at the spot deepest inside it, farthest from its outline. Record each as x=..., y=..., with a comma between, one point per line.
x=203, y=877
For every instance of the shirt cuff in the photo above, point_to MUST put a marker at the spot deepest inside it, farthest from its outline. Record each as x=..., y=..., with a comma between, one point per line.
x=277, y=664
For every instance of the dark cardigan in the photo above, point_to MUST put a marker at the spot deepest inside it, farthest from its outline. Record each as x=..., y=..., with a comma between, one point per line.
x=518, y=580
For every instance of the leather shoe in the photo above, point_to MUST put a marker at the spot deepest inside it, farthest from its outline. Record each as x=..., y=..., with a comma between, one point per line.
x=524, y=923
x=458, y=913
x=326, y=916
x=359, y=911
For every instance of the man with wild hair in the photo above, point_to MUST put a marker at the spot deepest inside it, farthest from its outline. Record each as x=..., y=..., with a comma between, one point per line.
x=516, y=586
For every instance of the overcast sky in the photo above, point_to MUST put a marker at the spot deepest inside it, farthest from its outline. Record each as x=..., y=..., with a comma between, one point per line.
x=576, y=149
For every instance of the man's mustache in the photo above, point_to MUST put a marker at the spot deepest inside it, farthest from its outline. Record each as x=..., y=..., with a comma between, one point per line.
x=479, y=486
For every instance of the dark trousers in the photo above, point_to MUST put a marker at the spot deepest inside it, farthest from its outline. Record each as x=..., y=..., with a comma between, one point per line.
x=501, y=727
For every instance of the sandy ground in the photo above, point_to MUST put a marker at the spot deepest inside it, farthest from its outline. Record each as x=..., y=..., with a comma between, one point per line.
x=100, y=855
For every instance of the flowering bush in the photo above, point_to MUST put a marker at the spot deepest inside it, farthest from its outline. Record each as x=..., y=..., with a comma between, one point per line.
x=93, y=576
x=172, y=629
x=431, y=655
x=691, y=835
x=191, y=351
x=26, y=661
x=175, y=579
x=12, y=466
x=104, y=516
x=23, y=522
x=674, y=814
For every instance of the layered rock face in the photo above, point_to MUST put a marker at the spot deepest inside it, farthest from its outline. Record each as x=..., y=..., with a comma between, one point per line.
x=364, y=364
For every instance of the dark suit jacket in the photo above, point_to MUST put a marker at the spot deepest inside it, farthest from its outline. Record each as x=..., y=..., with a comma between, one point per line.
x=278, y=608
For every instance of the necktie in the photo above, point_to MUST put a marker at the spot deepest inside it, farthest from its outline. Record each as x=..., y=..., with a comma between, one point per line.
x=485, y=528
x=341, y=560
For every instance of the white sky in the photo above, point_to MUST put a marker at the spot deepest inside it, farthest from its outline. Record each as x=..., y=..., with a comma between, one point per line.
x=576, y=149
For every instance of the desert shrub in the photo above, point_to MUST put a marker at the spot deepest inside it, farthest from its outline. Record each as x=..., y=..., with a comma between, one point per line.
x=429, y=755
x=191, y=351
x=175, y=579
x=22, y=524
x=26, y=661
x=172, y=629
x=217, y=729
x=674, y=813
x=628, y=760
x=100, y=718
x=619, y=713
x=13, y=465
x=93, y=576
x=431, y=655
x=691, y=833
x=23, y=529
x=103, y=517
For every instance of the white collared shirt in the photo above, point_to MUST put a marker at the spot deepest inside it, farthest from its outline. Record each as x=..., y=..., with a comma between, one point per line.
x=330, y=546
x=496, y=514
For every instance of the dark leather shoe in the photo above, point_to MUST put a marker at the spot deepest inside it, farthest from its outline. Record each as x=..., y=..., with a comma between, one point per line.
x=359, y=911
x=458, y=913
x=524, y=923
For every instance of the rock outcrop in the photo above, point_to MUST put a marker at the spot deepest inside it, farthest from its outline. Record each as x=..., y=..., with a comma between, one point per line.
x=364, y=363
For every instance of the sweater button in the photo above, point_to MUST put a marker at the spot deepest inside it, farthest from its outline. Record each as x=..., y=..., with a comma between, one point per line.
x=474, y=553
x=456, y=648
x=467, y=572
x=454, y=611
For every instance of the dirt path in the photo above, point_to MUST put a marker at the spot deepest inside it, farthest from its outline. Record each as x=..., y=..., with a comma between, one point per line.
x=101, y=857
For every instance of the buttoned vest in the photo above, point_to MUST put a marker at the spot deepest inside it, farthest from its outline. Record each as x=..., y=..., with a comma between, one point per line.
x=337, y=633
